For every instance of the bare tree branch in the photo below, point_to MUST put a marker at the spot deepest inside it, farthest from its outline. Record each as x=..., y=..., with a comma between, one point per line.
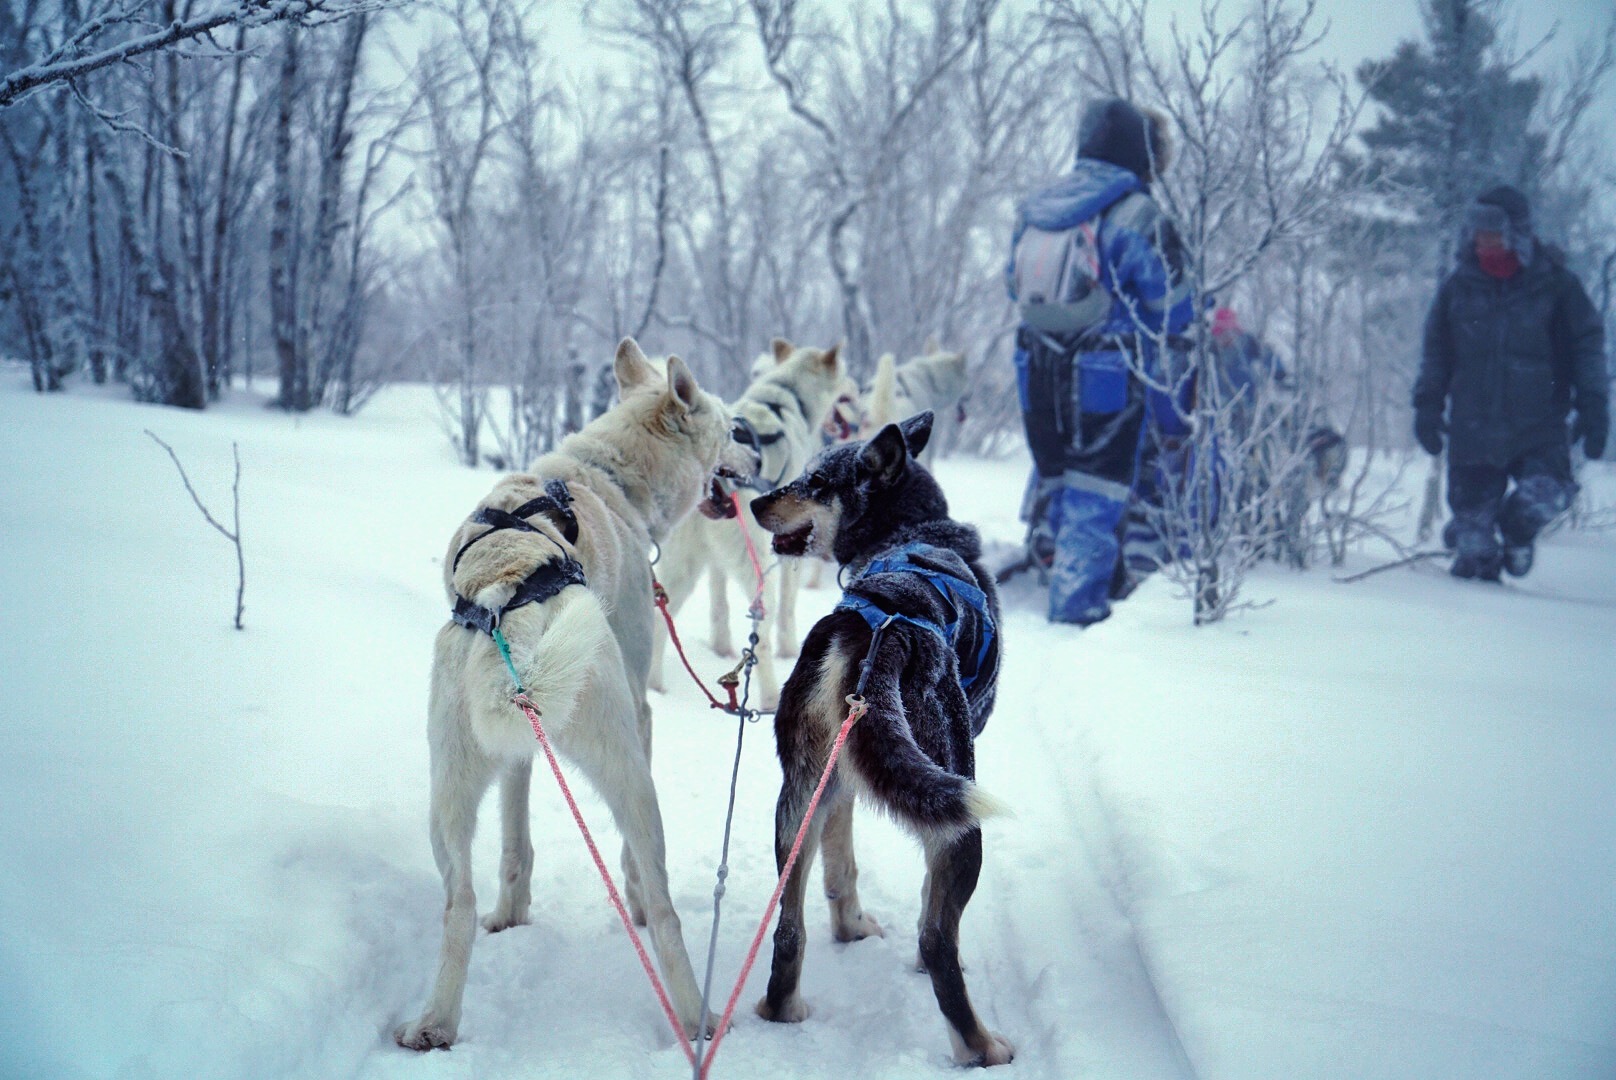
x=67, y=61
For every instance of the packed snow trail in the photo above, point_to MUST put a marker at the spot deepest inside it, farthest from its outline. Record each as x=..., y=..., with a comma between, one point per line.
x=1060, y=923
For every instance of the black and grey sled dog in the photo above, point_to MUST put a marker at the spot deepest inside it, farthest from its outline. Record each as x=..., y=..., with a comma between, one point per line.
x=921, y=609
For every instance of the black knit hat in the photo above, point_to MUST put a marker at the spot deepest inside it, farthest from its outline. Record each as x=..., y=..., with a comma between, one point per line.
x=1116, y=131
x=1512, y=203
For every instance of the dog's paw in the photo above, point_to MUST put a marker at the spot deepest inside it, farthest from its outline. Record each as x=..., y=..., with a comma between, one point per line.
x=708, y=1030
x=724, y=647
x=425, y=1034
x=496, y=921
x=793, y=1010
x=857, y=928
x=786, y=650
x=998, y=1051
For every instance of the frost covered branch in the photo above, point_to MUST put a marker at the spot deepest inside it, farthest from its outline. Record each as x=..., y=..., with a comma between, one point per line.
x=75, y=58
x=232, y=535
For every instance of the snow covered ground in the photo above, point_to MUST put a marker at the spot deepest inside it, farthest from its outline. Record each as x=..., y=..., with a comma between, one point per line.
x=1366, y=831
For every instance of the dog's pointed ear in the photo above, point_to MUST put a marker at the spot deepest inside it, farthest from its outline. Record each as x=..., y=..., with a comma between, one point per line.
x=782, y=349
x=932, y=346
x=682, y=389
x=886, y=455
x=831, y=359
x=917, y=432
x=631, y=367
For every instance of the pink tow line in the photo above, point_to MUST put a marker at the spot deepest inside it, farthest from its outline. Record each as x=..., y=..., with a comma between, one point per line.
x=526, y=705
x=857, y=709
x=751, y=548
x=659, y=596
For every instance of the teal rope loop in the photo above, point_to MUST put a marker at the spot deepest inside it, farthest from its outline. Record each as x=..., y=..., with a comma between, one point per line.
x=505, y=655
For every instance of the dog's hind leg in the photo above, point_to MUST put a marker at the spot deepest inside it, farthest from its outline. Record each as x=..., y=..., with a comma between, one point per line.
x=610, y=751
x=783, y=1002
x=457, y=788
x=847, y=918
x=952, y=868
x=516, y=850
x=632, y=891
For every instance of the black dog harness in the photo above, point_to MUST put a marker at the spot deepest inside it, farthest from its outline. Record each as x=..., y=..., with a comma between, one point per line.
x=546, y=580
x=744, y=433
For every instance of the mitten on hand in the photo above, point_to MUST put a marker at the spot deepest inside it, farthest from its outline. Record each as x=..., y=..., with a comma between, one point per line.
x=1428, y=430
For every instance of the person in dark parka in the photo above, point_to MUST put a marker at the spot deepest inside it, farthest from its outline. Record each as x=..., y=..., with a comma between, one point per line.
x=1512, y=345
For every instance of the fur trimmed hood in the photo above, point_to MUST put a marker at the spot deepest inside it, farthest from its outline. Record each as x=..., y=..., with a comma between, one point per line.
x=1125, y=135
x=1503, y=210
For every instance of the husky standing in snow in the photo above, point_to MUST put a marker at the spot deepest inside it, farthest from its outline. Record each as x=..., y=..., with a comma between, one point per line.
x=780, y=416
x=556, y=560
x=917, y=590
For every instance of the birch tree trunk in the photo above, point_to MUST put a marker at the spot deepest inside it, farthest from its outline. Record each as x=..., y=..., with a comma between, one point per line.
x=283, y=257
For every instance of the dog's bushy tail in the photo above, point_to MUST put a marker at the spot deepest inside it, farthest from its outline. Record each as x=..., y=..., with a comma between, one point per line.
x=882, y=408
x=555, y=646
x=907, y=782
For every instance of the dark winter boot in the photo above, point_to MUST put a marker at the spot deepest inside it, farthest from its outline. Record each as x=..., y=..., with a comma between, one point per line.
x=1450, y=536
x=1475, y=535
x=1477, y=567
x=1537, y=500
x=1517, y=559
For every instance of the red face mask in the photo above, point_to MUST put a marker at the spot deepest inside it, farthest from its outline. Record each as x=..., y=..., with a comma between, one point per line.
x=1498, y=262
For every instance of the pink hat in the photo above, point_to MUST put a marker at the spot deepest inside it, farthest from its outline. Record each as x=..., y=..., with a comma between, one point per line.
x=1225, y=322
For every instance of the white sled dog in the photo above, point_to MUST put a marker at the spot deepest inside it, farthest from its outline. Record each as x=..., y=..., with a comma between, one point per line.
x=780, y=415
x=932, y=382
x=557, y=560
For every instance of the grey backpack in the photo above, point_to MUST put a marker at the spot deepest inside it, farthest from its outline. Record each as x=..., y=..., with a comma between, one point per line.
x=1057, y=279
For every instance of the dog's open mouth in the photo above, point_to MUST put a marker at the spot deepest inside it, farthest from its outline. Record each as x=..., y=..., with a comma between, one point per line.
x=718, y=505
x=793, y=543
x=838, y=426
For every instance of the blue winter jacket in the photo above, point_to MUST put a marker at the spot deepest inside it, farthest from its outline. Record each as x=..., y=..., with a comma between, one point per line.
x=1141, y=263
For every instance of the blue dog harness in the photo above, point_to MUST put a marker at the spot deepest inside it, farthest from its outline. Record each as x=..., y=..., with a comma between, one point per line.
x=958, y=594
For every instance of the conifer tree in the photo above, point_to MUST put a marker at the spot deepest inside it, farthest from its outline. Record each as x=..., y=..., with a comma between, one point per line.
x=1454, y=119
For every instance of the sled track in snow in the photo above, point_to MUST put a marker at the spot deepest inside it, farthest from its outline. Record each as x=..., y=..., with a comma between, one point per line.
x=1097, y=834
x=1081, y=965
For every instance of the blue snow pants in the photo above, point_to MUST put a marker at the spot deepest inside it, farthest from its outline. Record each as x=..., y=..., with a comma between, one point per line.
x=1084, y=488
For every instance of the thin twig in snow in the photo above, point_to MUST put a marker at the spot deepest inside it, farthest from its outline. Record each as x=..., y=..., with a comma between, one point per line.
x=234, y=536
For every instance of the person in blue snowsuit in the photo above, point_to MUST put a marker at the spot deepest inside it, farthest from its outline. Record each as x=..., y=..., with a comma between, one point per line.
x=1097, y=270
